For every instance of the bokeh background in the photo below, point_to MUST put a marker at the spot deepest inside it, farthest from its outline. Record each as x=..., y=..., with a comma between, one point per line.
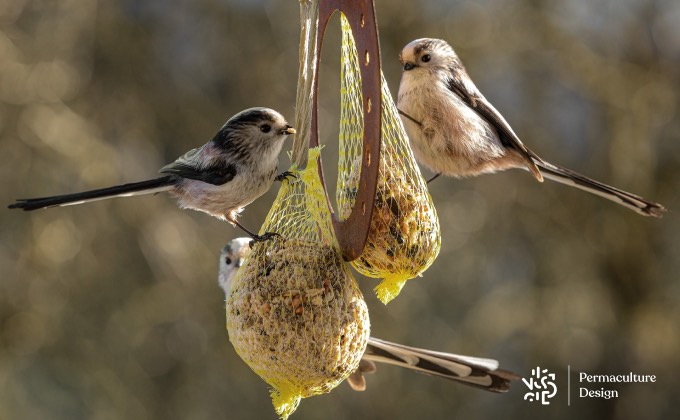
x=111, y=310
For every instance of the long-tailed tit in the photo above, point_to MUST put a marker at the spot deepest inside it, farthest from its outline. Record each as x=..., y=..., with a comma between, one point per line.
x=474, y=371
x=455, y=131
x=219, y=178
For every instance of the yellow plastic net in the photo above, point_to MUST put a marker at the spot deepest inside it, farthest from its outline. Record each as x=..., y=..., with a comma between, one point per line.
x=295, y=314
x=404, y=236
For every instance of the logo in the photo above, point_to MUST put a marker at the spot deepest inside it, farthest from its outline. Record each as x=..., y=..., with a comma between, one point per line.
x=541, y=386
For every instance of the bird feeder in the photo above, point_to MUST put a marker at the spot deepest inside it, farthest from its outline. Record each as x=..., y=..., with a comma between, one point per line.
x=351, y=233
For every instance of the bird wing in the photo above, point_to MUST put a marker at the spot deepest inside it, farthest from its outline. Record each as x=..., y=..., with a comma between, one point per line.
x=186, y=166
x=471, y=96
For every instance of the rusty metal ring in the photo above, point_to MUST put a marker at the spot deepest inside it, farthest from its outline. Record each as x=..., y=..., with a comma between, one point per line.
x=353, y=232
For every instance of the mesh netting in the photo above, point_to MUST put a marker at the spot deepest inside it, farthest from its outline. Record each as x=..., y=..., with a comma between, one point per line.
x=295, y=314
x=404, y=236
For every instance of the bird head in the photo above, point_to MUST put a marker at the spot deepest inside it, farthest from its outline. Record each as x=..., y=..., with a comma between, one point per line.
x=428, y=54
x=231, y=258
x=255, y=132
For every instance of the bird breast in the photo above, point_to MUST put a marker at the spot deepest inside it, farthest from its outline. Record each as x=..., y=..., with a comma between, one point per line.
x=451, y=138
x=224, y=201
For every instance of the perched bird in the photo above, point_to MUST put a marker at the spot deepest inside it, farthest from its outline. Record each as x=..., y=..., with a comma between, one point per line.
x=474, y=371
x=455, y=131
x=219, y=178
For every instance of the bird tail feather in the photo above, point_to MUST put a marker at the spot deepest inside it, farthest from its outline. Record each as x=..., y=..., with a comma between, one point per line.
x=473, y=371
x=626, y=199
x=136, y=188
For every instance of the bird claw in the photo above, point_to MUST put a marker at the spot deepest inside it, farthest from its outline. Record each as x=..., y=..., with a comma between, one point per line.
x=284, y=175
x=264, y=237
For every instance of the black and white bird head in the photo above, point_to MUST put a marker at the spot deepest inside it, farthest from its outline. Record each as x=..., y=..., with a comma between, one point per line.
x=231, y=258
x=429, y=55
x=256, y=133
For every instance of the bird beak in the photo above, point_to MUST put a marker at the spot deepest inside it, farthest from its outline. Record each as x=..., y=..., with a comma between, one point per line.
x=409, y=66
x=288, y=130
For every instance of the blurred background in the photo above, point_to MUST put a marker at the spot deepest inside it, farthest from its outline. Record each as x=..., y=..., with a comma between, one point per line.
x=111, y=310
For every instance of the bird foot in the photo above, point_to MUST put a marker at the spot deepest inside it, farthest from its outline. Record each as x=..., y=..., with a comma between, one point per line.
x=264, y=237
x=433, y=178
x=284, y=175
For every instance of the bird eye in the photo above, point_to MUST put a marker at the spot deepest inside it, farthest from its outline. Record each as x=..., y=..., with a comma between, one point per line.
x=228, y=261
x=265, y=128
x=425, y=58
